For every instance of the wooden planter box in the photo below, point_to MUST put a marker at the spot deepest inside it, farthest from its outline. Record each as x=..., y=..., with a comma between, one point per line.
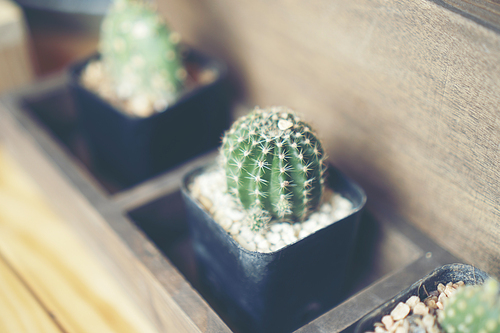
x=141, y=233
x=406, y=96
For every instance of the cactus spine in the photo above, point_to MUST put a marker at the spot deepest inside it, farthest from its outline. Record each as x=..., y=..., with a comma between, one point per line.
x=274, y=165
x=474, y=309
x=140, y=54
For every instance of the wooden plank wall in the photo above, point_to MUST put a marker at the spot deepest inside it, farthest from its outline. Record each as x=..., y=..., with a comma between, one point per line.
x=404, y=93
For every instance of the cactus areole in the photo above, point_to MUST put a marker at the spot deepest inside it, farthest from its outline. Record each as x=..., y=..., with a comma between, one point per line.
x=275, y=165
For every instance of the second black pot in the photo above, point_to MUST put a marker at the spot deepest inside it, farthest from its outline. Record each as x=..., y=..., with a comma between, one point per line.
x=444, y=274
x=282, y=290
x=133, y=149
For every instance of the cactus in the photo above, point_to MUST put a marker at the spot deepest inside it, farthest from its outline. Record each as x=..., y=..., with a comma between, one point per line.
x=474, y=309
x=274, y=165
x=141, y=54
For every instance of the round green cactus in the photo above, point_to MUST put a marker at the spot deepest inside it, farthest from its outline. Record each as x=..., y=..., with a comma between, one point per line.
x=274, y=165
x=140, y=53
x=473, y=309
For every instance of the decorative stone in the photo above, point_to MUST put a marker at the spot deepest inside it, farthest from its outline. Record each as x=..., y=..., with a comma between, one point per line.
x=387, y=321
x=400, y=311
x=420, y=309
x=208, y=188
x=412, y=301
x=273, y=238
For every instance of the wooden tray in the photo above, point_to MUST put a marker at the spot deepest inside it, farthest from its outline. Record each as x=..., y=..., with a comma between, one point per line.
x=140, y=232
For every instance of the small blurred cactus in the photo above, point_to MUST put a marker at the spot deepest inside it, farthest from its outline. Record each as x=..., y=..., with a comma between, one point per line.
x=472, y=309
x=274, y=165
x=140, y=54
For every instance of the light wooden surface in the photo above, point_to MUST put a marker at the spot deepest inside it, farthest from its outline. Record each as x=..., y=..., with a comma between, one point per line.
x=405, y=95
x=15, y=64
x=20, y=311
x=50, y=282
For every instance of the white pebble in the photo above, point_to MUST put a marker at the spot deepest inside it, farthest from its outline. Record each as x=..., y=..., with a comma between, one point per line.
x=449, y=290
x=263, y=245
x=340, y=214
x=387, y=321
x=235, y=215
x=324, y=220
x=428, y=320
x=273, y=238
x=412, y=301
x=246, y=234
x=206, y=202
x=225, y=223
x=249, y=246
x=286, y=229
x=277, y=227
x=326, y=208
x=289, y=239
x=241, y=240
x=257, y=238
x=297, y=227
x=342, y=203
x=281, y=244
x=421, y=309
x=442, y=297
x=401, y=329
x=235, y=228
x=400, y=311
x=304, y=233
x=310, y=225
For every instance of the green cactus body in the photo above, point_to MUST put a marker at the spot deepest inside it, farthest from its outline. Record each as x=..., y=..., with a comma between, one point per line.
x=140, y=53
x=274, y=165
x=473, y=309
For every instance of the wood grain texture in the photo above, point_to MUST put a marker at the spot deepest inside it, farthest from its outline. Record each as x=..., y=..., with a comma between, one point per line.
x=55, y=265
x=20, y=311
x=404, y=93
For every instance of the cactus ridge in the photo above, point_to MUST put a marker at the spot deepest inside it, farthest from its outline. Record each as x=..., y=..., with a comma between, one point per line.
x=140, y=53
x=274, y=164
x=472, y=309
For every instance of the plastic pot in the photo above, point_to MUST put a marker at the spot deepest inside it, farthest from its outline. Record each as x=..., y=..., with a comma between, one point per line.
x=278, y=291
x=134, y=149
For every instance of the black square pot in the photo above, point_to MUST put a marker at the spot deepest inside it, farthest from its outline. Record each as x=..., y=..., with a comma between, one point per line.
x=444, y=274
x=278, y=291
x=134, y=149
